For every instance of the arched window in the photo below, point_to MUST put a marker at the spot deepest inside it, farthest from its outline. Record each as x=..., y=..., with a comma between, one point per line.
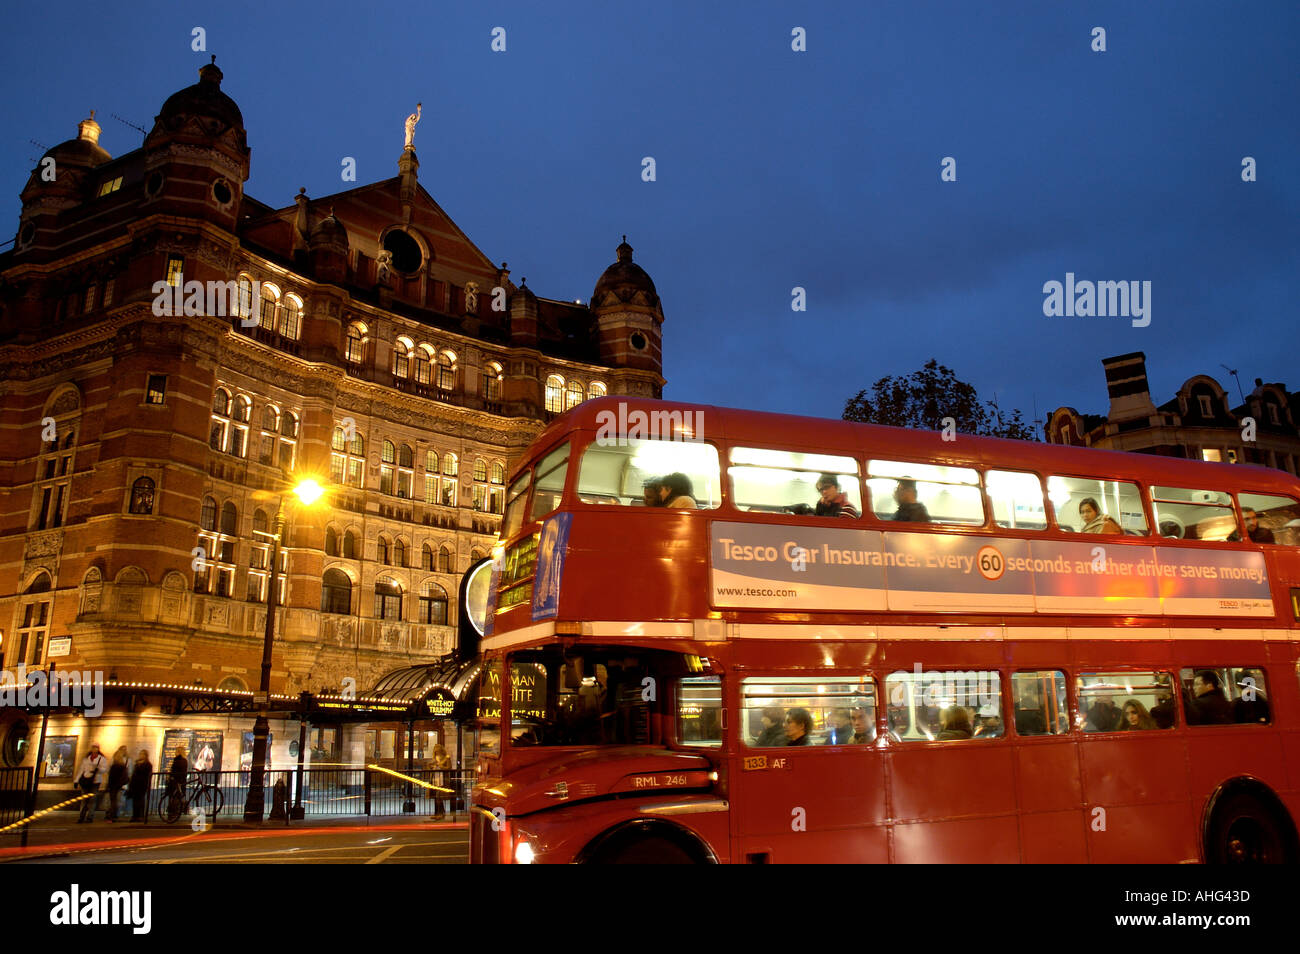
x=289, y=424
x=422, y=356
x=554, y=393
x=347, y=462
x=349, y=545
x=399, y=553
x=498, y=472
x=381, y=552
x=402, y=357
x=331, y=542
x=492, y=376
x=244, y=300
x=574, y=395
x=480, y=469
x=142, y=495
x=270, y=301
x=388, y=598
x=433, y=604
x=450, y=466
x=208, y=515
x=356, y=344
x=444, y=560
x=270, y=418
x=336, y=592
x=446, y=371
x=260, y=524
x=221, y=402
x=426, y=557
x=596, y=390
x=390, y=452
x=475, y=555
x=229, y=519
x=291, y=317
x=405, y=456
x=242, y=410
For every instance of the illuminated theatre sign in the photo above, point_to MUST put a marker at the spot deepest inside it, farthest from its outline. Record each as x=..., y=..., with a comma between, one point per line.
x=823, y=568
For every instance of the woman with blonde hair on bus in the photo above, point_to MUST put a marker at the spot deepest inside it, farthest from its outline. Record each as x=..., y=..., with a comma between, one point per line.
x=955, y=723
x=1136, y=716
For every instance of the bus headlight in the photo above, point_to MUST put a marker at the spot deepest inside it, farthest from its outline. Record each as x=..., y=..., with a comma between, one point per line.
x=524, y=853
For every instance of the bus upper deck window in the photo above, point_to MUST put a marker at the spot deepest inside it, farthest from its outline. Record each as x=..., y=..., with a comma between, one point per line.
x=1183, y=513
x=516, y=500
x=1096, y=505
x=551, y=472
x=1276, y=519
x=628, y=471
x=925, y=493
x=1017, y=499
x=777, y=481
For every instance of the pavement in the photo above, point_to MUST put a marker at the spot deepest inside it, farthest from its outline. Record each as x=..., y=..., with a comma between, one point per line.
x=59, y=835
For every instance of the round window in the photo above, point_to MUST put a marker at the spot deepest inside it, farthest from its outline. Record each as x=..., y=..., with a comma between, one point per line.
x=405, y=250
x=221, y=192
x=154, y=184
x=17, y=739
x=638, y=341
x=26, y=234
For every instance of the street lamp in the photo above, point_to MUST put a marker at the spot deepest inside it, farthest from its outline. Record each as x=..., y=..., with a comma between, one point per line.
x=308, y=492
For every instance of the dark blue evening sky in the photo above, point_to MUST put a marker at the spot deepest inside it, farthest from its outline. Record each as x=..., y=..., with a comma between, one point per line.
x=775, y=168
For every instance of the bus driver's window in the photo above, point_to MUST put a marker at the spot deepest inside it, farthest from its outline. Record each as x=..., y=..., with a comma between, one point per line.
x=699, y=710
x=678, y=475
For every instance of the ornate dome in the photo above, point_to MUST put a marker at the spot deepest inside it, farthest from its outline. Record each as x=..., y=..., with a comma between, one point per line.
x=85, y=150
x=625, y=280
x=329, y=231
x=203, y=101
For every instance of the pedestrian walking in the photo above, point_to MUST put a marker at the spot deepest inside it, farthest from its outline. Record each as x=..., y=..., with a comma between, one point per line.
x=141, y=776
x=118, y=774
x=177, y=774
x=90, y=779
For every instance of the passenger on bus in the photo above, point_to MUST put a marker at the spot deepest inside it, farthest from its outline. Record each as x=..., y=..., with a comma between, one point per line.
x=650, y=491
x=1256, y=533
x=1030, y=722
x=1136, y=717
x=841, y=732
x=1094, y=521
x=1251, y=705
x=1162, y=713
x=954, y=724
x=798, y=725
x=833, y=502
x=863, y=728
x=1208, y=706
x=773, y=732
x=675, y=491
x=908, y=509
x=1104, y=716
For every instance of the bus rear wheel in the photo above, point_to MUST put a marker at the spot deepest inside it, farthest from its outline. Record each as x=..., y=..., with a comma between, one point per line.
x=1246, y=832
x=642, y=850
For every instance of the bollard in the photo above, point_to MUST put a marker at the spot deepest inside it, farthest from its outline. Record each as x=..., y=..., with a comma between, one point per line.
x=280, y=801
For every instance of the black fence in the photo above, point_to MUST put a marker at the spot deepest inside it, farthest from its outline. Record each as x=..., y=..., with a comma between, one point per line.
x=325, y=791
x=14, y=786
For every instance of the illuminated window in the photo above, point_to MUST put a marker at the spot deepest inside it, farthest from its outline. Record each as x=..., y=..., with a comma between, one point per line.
x=270, y=302
x=925, y=493
x=1017, y=499
x=422, y=357
x=805, y=710
x=291, y=317
x=1124, y=701
x=1093, y=505
x=388, y=598
x=356, y=343
x=109, y=186
x=492, y=375
x=554, y=394
x=402, y=357
x=596, y=390
x=573, y=395
x=175, y=270
x=433, y=604
x=446, y=371
x=347, y=460
x=944, y=706
x=156, y=389
x=142, y=492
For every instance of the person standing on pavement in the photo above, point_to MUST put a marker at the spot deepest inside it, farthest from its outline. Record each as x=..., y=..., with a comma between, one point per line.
x=117, y=778
x=441, y=763
x=90, y=778
x=141, y=776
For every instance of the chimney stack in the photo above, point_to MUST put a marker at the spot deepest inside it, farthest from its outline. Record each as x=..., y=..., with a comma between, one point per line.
x=1126, y=382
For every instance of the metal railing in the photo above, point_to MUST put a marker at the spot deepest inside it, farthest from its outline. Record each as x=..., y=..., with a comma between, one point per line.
x=14, y=786
x=335, y=791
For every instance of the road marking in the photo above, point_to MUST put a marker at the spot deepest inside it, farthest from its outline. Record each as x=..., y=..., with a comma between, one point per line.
x=386, y=853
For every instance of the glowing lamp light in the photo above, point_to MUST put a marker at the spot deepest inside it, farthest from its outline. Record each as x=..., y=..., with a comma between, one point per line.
x=309, y=491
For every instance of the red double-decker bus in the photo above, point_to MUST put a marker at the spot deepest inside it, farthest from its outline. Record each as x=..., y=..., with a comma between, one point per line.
x=726, y=636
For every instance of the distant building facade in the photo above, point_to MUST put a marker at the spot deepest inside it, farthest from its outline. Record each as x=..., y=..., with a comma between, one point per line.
x=1198, y=423
x=151, y=431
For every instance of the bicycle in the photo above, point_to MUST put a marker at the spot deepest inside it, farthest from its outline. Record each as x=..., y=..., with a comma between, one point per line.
x=199, y=797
